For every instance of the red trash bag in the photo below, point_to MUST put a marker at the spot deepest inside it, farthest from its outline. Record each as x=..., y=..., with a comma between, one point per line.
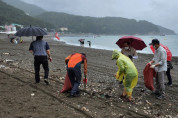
x=67, y=84
x=149, y=73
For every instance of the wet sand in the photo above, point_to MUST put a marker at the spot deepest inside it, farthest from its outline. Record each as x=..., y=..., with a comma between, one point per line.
x=21, y=98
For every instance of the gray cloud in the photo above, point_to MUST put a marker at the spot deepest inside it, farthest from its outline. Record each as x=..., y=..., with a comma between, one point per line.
x=160, y=12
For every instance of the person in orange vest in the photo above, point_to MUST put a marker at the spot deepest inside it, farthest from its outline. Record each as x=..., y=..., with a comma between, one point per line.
x=73, y=63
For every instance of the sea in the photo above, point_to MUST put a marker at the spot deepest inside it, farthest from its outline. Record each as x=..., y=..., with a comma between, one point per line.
x=109, y=42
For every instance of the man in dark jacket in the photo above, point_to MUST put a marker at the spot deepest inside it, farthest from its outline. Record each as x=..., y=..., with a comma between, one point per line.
x=41, y=52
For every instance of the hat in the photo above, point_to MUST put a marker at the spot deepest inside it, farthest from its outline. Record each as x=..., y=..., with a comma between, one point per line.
x=115, y=54
x=154, y=41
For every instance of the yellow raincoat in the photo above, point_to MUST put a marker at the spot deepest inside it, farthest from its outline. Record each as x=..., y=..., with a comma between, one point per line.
x=126, y=69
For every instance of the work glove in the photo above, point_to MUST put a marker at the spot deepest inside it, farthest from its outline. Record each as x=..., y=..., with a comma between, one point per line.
x=85, y=80
x=152, y=66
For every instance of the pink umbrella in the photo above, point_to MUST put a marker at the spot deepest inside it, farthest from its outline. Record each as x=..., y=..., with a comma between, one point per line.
x=135, y=42
x=169, y=54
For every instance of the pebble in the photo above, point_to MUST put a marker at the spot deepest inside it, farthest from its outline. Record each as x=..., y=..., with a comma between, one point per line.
x=114, y=114
x=78, y=106
x=136, y=109
x=145, y=112
x=148, y=102
x=32, y=94
x=169, y=116
x=121, y=115
x=85, y=109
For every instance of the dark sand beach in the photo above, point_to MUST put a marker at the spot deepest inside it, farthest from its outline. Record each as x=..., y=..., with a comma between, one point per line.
x=20, y=97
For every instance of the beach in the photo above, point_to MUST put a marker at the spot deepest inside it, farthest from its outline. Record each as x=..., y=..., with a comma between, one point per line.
x=21, y=98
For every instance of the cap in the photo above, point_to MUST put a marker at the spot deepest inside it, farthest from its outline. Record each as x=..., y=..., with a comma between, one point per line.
x=154, y=41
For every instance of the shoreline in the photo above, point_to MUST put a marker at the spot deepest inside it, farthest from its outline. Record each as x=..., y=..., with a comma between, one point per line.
x=98, y=46
x=142, y=53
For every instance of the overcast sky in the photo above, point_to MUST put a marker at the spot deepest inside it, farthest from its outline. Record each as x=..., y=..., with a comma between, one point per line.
x=160, y=12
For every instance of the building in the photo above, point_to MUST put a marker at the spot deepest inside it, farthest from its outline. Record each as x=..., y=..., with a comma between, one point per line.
x=64, y=29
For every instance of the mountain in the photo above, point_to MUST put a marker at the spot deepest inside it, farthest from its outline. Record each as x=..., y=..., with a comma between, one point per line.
x=9, y=14
x=104, y=25
x=30, y=9
x=165, y=31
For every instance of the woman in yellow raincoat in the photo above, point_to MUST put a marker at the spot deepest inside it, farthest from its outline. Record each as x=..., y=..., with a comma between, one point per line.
x=127, y=73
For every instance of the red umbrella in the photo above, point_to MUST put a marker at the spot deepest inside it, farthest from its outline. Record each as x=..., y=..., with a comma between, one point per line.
x=135, y=42
x=81, y=39
x=169, y=54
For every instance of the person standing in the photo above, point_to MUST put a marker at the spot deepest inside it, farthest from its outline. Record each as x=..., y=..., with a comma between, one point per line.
x=41, y=51
x=129, y=51
x=82, y=42
x=89, y=43
x=160, y=66
x=73, y=63
x=168, y=73
x=127, y=73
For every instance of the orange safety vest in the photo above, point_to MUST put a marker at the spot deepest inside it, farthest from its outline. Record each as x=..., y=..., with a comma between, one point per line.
x=74, y=59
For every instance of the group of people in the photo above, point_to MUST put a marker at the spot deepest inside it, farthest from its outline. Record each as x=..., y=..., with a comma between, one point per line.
x=82, y=42
x=14, y=39
x=127, y=72
x=159, y=63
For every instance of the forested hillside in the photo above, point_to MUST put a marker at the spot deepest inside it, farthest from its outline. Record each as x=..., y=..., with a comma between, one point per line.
x=9, y=14
x=105, y=25
x=30, y=9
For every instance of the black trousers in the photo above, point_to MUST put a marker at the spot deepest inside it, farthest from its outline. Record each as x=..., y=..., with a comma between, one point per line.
x=168, y=73
x=38, y=60
x=75, y=79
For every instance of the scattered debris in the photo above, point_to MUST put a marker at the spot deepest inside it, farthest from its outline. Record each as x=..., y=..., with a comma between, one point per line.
x=9, y=61
x=138, y=103
x=6, y=53
x=148, y=102
x=2, y=66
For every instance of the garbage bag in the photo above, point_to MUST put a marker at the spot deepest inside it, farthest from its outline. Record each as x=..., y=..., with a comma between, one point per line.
x=149, y=73
x=67, y=84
